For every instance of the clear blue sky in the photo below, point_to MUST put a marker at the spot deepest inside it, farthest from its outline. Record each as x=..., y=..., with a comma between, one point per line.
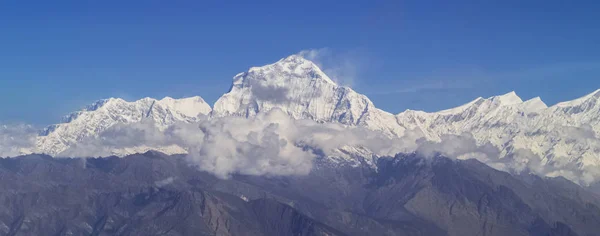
x=57, y=56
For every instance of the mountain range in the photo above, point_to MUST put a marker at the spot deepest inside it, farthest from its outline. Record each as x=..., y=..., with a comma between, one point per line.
x=157, y=194
x=287, y=151
x=562, y=136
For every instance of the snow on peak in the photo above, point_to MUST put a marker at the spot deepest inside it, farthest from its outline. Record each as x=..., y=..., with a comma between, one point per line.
x=103, y=114
x=299, y=88
x=507, y=99
x=510, y=98
x=293, y=84
x=191, y=106
x=534, y=105
x=294, y=66
x=462, y=108
x=579, y=101
x=95, y=105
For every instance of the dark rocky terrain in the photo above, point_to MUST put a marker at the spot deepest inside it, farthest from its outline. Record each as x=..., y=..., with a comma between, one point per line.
x=155, y=194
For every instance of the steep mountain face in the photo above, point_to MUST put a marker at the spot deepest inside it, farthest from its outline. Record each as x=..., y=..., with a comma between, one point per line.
x=299, y=88
x=155, y=194
x=410, y=195
x=104, y=114
x=138, y=195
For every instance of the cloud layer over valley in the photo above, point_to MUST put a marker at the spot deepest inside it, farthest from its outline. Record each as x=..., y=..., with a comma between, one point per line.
x=16, y=139
x=272, y=143
x=277, y=119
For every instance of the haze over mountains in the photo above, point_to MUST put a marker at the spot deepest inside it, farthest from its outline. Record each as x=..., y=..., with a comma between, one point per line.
x=156, y=194
x=503, y=131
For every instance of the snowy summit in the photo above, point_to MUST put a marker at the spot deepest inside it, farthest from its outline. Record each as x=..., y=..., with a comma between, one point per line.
x=299, y=88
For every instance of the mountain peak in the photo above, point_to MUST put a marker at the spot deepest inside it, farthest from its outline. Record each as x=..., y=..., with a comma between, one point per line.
x=461, y=108
x=509, y=98
x=535, y=104
x=291, y=67
x=193, y=98
x=299, y=88
x=295, y=58
x=293, y=84
x=100, y=103
x=190, y=106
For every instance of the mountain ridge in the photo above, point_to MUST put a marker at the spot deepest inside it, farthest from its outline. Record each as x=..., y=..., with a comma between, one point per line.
x=105, y=113
x=559, y=135
x=157, y=194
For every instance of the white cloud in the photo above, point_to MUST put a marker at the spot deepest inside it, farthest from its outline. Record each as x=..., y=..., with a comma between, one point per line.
x=520, y=161
x=273, y=143
x=16, y=139
x=260, y=146
x=342, y=68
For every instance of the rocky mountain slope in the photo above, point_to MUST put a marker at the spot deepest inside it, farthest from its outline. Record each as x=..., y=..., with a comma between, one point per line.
x=143, y=195
x=155, y=194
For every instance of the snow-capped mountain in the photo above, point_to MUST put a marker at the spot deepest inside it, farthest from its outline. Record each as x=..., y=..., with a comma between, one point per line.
x=298, y=87
x=104, y=114
x=561, y=135
x=506, y=112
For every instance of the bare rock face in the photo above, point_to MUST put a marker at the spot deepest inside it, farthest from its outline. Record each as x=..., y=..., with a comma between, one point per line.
x=156, y=194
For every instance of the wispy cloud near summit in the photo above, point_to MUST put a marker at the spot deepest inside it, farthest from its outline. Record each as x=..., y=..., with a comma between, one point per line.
x=343, y=68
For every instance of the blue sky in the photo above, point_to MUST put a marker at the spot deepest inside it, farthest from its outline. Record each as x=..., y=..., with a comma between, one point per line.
x=57, y=56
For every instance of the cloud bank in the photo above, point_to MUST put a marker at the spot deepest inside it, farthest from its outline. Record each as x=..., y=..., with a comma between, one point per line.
x=272, y=143
x=521, y=161
x=16, y=139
